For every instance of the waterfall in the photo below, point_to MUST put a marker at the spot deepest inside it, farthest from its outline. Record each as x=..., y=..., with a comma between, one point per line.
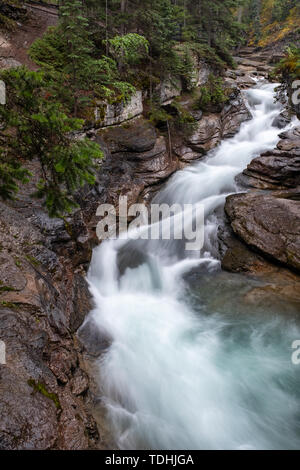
x=190, y=366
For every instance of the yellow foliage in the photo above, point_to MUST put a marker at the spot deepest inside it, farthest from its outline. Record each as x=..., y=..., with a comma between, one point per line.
x=273, y=32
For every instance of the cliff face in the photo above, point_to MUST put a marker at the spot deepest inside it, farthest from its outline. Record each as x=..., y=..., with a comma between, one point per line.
x=44, y=298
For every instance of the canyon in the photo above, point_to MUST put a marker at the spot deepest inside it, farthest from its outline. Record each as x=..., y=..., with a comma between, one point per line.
x=51, y=394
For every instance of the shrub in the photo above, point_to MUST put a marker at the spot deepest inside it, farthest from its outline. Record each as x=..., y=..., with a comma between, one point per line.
x=212, y=95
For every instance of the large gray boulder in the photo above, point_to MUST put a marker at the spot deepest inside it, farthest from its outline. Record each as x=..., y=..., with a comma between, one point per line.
x=278, y=168
x=268, y=223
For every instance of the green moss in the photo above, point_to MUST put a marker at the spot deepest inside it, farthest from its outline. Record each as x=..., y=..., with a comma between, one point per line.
x=290, y=65
x=6, y=288
x=32, y=260
x=18, y=262
x=39, y=387
x=9, y=304
x=68, y=227
x=8, y=23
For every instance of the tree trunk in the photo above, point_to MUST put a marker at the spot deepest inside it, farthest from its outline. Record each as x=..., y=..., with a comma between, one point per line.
x=123, y=6
x=123, y=10
x=240, y=14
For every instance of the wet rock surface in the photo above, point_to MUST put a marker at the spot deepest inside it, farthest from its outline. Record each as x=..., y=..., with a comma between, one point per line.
x=136, y=157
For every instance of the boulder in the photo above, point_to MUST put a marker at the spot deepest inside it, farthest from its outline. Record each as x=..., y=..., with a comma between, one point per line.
x=279, y=167
x=282, y=120
x=234, y=114
x=237, y=257
x=9, y=63
x=269, y=223
x=212, y=127
x=136, y=138
x=276, y=168
x=207, y=135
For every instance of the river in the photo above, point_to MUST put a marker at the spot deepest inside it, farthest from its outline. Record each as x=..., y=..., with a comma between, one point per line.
x=191, y=364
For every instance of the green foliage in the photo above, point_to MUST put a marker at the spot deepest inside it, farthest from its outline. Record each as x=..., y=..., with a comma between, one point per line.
x=184, y=122
x=94, y=78
x=212, y=94
x=49, y=51
x=7, y=22
x=158, y=115
x=166, y=23
x=290, y=65
x=179, y=120
x=281, y=9
x=100, y=50
x=10, y=12
x=129, y=48
x=269, y=21
x=34, y=127
x=11, y=173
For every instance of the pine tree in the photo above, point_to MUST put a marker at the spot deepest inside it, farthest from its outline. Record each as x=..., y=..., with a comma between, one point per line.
x=79, y=47
x=35, y=127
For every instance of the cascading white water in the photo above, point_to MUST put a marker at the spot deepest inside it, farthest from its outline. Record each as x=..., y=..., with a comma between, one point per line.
x=188, y=367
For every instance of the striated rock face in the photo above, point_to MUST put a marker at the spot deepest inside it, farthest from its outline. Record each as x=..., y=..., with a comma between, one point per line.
x=169, y=89
x=234, y=114
x=112, y=114
x=278, y=168
x=208, y=134
x=135, y=158
x=43, y=300
x=212, y=128
x=269, y=223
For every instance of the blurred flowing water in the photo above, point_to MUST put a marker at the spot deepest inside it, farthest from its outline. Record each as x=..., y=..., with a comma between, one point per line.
x=190, y=365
